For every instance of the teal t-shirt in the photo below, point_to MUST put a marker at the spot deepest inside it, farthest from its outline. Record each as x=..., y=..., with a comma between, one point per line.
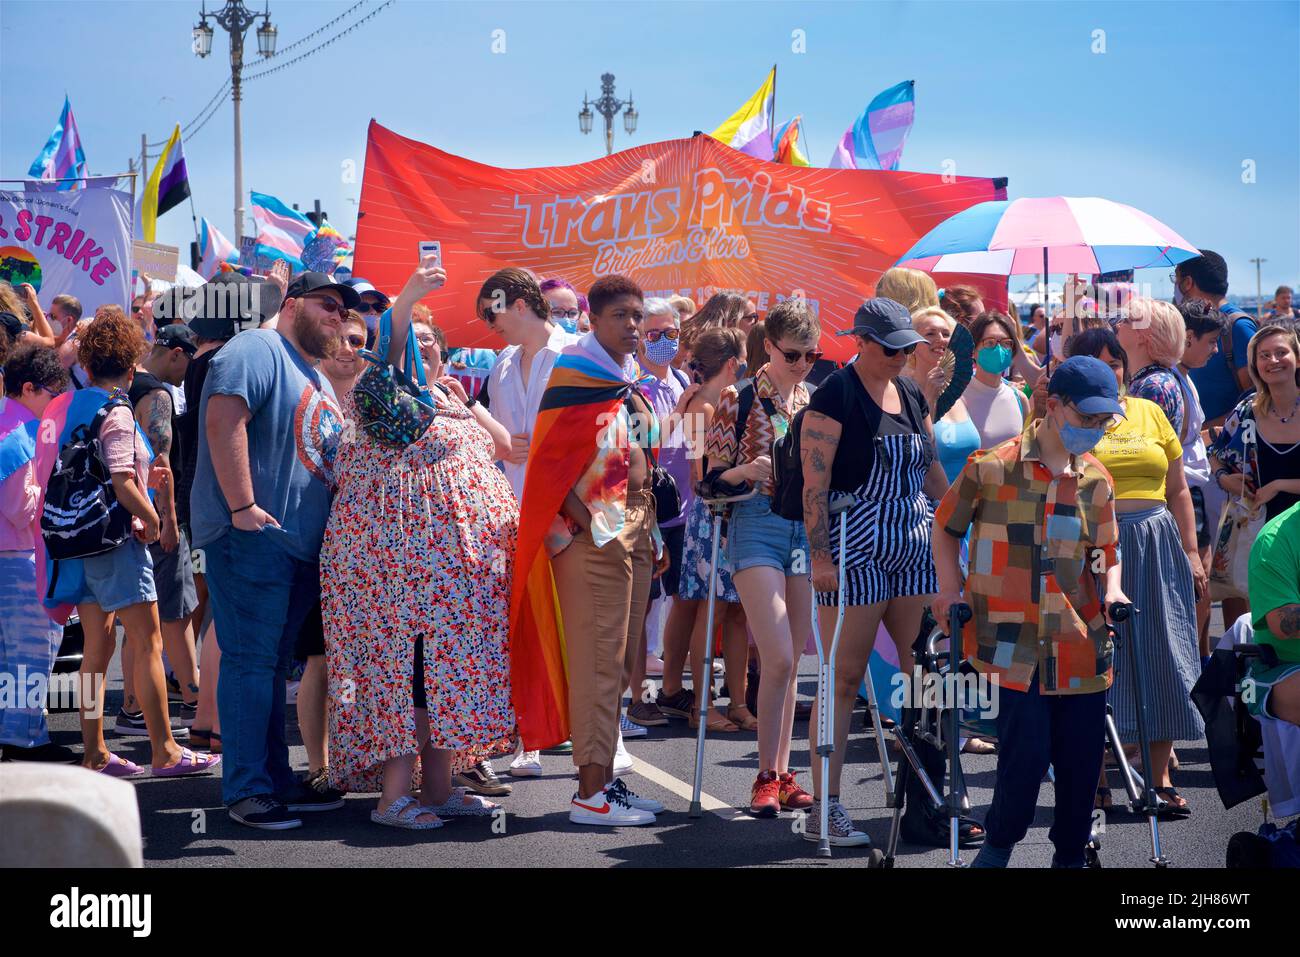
x=1275, y=578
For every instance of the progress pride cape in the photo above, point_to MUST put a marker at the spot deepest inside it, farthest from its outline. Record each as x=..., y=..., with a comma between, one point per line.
x=581, y=395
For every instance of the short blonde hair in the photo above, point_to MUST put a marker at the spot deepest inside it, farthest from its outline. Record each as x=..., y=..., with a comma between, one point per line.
x=1166, y=334
x=930, y=312
x=684, y=305
x=913, y=288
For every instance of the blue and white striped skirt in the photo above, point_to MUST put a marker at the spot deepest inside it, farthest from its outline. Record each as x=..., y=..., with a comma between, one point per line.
x=29, y=642
x=1157, y=578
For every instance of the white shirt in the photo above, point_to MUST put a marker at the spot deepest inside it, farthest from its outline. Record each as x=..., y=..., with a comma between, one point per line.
x=515, y=405
x=1196, y=460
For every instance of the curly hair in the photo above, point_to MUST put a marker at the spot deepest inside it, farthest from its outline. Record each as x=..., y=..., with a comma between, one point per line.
x=38, y=365
x=9, y=301
x=111, y=345
x=608, y=288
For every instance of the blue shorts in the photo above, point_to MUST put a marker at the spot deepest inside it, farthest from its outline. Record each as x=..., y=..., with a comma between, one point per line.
x=756, y=536
x=120, y=578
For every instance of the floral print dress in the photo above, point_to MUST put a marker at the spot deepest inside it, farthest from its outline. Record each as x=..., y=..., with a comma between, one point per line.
x=420, y=544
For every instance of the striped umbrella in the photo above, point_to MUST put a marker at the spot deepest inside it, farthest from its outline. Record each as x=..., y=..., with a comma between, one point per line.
x=1055, y=234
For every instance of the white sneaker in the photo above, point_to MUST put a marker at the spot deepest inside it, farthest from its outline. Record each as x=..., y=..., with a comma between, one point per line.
x=527, y=764
x=629, y=728
x=608, y=808
x=634, y=799
x=623, y=762
x=719, y=666
x=839, y=827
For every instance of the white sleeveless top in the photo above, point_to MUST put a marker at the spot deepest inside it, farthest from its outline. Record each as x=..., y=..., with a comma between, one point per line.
x=996, y=412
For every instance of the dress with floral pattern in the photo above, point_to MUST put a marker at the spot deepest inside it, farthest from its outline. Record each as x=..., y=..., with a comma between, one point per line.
x=420, y=544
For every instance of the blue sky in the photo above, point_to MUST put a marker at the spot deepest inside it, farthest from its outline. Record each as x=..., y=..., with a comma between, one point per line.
x=1183, y=95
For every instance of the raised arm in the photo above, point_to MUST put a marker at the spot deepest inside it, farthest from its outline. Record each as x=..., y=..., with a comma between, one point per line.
x=427, y=277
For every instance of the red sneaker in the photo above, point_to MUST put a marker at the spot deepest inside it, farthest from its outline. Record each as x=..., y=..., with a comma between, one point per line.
x=765, y=798
x=792, y=796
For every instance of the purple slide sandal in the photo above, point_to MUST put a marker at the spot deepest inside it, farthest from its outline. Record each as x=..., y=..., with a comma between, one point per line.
x=191, y=762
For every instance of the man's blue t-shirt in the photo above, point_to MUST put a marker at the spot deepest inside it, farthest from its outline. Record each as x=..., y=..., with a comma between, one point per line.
x=293, y=435
x=1216, y=386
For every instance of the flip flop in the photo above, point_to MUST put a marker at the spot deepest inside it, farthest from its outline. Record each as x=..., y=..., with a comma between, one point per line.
x=119, y=767
x=191, y=762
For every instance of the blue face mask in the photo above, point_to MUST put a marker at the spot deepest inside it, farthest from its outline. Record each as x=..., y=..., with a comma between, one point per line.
x=568, y=325
x=1078, y=440
x=994, y=359
x=741, y=370
x=661, y=351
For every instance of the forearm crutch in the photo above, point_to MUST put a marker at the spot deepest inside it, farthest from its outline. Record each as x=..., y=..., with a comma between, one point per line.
x=717, y=508
x=958, y=615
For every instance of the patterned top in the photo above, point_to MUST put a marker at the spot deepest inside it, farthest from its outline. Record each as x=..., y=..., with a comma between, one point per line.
x=761, y=430
x=1037, y=539
x=1160, y=385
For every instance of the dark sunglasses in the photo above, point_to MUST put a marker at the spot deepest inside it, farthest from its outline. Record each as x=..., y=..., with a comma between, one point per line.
x=488, y=315
x=377, y=308
x=906, y=350
x=654, y=335
x=136, y=309
x=794, y=355
x=328, y=304
x=356, y=342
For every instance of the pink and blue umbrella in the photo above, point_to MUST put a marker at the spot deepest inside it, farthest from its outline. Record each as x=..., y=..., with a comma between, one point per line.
x=1055, y=234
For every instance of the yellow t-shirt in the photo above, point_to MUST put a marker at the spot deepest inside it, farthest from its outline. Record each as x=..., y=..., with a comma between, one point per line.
x=1139, y=449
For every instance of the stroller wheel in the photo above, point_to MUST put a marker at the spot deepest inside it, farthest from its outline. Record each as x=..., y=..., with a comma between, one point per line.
x=876, y=859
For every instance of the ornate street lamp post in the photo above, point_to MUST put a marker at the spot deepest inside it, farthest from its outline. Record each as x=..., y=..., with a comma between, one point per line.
x=608, y=106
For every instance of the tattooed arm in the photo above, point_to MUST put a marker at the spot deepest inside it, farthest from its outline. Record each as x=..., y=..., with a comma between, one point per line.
x=818, y=441
x=1284, y=622
x=154, y=413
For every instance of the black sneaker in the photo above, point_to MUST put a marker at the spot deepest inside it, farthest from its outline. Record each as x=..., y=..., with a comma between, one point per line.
x=481, y=779
x=264, y=813
x=679, y=705
x=48, y=753
x=187, y=714
x=131, y=725
x=315, y=794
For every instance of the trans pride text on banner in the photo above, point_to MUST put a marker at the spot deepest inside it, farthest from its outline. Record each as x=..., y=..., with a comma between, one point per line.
x=692, y=216
x=68, y=242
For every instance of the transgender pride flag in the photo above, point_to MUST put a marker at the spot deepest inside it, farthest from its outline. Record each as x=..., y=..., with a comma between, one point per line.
x=62, y=156
x=214, y=249
x=876, y=139
x=281, y=232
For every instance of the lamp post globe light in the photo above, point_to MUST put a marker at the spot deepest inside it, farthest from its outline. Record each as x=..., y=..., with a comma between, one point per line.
x=235, y=19
x=608, y=106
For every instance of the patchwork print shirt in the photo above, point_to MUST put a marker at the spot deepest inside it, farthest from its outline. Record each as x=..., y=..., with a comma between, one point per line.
x=1038, y=544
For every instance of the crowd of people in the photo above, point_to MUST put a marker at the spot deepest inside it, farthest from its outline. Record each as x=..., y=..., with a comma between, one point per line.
x=476, y=555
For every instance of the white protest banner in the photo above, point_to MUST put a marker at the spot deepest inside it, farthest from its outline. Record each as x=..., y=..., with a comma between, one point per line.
x=71, y=241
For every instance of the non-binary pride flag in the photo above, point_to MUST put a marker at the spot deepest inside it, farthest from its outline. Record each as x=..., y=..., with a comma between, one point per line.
x=281, y=232
x=62, y=156
x=876, y=139
x=168, y=186
x=214, y=249
x=750, y=128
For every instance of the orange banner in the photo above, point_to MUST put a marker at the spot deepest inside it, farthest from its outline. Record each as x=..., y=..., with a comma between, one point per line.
x=687, y=216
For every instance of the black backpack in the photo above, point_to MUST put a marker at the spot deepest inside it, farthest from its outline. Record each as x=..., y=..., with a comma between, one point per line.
x=82, y=516
x=787, y=472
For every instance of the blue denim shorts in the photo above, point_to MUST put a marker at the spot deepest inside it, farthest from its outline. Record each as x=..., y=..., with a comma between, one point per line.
x=120, y=578
x=756, y=536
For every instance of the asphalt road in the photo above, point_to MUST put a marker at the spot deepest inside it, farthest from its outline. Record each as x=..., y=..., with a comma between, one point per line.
x=185, y=824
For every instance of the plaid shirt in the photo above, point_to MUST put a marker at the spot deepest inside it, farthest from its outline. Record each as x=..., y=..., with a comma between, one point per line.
x=761, y=430
x=1032, y=533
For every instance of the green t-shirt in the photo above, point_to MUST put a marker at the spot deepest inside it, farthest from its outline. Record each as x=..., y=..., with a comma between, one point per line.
x=1275, y=578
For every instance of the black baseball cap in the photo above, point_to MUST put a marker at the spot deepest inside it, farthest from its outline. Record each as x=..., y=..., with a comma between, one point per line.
x=1088, y=384
x=12, y=325
x=886, y=322
x=178, y=336
x=310, y=282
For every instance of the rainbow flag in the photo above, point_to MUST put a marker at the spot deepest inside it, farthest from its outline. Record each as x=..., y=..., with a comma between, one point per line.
x=877, y=137
x=750, y=128
x=62, y=156
x=787, y=144
x=325, y=249
x=580, y=396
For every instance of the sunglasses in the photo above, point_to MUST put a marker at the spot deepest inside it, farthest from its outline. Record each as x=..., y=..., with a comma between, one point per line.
x=488, y=315
x=794, y=355
x=135, y=310
x=376, y=307
x=329, y=304
x=654, y=335
x=890, y=353
x=356, y=342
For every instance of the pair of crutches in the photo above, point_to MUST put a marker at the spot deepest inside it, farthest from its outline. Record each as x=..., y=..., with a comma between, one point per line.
x=1141, y=792
x=838, y=507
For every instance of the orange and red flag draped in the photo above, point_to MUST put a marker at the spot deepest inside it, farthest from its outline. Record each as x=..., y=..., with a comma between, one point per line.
x=580, y=395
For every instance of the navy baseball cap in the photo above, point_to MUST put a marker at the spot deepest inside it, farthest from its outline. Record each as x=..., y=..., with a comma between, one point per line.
x=178, y=336
x=886, y=322
x=362, y=286
x=1088, y=384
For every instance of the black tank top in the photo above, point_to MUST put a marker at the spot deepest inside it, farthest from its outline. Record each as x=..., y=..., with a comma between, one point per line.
x=142, y=385
x=1278, y=462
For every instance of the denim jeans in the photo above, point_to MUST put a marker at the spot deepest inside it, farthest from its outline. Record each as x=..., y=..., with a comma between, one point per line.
x=1067, y=731
x=260, y=596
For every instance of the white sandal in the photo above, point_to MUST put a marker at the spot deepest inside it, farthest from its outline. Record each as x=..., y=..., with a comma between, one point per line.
x=402, y=813
x=462, y=804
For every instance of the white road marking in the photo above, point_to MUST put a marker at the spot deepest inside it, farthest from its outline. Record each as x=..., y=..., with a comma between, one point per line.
x=683, y=790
